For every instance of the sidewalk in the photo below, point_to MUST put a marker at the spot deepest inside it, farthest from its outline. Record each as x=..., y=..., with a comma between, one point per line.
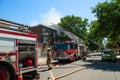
x=42, y=61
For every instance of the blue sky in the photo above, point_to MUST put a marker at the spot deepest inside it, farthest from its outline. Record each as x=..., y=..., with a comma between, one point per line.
x=33, y=12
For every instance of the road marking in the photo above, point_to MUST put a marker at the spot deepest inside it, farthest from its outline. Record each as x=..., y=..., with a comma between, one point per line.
x=66, y=74
x=56, y=66
x=64, y=67
x=52, y=76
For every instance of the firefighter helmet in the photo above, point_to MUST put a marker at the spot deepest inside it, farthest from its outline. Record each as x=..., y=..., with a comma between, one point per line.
x=48, y=49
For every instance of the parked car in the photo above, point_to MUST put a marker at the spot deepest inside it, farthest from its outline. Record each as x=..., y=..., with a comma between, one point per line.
x=108, y=55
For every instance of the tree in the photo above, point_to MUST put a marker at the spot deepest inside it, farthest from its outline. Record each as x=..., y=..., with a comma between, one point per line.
x=108, y=17
x=75, y=25
x=94, y=38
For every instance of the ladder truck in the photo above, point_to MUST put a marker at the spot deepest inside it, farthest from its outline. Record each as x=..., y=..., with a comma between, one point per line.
x=71, y=50
x=18, y=51
x=67, y=51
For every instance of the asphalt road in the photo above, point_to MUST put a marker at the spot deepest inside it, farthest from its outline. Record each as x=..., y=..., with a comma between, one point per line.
x=99, y=71
x=91, y=69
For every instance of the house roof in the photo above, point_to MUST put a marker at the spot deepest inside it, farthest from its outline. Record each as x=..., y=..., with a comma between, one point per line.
x=44, y=26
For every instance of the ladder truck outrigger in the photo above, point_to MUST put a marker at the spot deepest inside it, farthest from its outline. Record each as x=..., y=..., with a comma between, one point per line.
x=18, y=51
x=71, y=50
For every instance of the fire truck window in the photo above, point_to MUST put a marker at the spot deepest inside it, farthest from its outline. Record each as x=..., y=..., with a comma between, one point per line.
x=73, y=46
x=62, y=46
x=7, y=43
x=69, y=46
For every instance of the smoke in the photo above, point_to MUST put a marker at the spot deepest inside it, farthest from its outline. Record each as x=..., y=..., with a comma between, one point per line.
x=51, y=17
x=48, y=18
x=34, y=22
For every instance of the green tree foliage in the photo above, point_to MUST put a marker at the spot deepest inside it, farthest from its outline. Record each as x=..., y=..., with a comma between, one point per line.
x=107, y=23
x=94, y=37
x=75, y=25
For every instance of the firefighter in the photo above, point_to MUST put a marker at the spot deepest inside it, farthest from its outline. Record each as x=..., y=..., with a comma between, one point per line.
x=84, y=56
x=49, y=58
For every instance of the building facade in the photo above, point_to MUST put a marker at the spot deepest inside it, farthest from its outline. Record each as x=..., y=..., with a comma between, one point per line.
x=46, y=36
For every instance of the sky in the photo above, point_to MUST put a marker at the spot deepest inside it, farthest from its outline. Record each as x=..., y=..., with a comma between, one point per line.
x=46, y=12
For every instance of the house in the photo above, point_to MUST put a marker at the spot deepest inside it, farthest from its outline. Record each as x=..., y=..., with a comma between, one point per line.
x=46, y=37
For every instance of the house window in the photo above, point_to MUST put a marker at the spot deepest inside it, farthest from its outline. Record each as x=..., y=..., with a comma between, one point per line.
x=54, y=34
x=44, y=30
x=49, y=39
x=49, y=32
x=43, y=39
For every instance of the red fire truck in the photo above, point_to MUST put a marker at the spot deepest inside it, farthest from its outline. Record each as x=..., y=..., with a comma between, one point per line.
x=68, y=51
x=18, y=52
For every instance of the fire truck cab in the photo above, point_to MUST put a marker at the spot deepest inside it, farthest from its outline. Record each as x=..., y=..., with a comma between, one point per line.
x=67, y=51
x=18, y=52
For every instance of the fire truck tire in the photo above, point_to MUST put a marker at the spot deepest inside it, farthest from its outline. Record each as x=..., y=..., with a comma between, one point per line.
x=4, y=73
x=74, y=58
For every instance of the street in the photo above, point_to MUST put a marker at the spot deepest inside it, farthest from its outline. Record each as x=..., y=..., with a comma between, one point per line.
x=59, y=40
x=91, y=69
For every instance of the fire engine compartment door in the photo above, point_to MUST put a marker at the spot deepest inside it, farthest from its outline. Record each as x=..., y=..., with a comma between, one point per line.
x=26, y=53
x=7, y=45
x=26, y=46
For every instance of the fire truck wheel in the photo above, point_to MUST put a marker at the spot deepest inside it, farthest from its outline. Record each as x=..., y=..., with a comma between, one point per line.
x=4, y=73
x=74, y=58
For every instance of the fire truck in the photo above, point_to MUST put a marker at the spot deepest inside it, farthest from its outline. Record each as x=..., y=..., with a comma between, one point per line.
x=18, y=51
x=68, y=51
x=71, y=49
